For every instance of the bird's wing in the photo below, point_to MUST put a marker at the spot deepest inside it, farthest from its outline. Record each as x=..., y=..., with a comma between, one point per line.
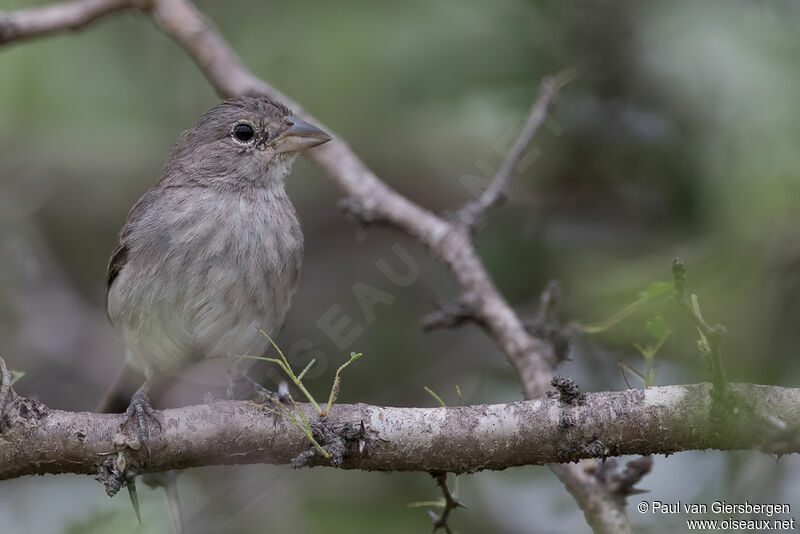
x=119, y=258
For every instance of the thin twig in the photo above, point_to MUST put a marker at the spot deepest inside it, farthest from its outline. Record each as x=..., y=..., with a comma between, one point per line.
x=41, y=21
x=622, y=482
x=450, y=504
x=494, y=194
x=449, y=314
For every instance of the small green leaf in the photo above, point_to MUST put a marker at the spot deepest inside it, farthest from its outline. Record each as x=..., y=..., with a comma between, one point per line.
x=16, y=375
x=655, y=290
x=657, y=328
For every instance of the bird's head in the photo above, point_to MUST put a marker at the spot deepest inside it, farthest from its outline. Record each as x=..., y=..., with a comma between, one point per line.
x=243, y=141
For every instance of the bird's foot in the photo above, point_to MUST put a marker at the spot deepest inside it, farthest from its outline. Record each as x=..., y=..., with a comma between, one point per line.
x=141, y=413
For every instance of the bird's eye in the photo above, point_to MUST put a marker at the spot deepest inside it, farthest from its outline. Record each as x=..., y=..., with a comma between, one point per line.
x=243, y=133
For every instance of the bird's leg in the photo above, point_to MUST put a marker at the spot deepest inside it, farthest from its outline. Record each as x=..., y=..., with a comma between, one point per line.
x=141, y=411
x=237, y=376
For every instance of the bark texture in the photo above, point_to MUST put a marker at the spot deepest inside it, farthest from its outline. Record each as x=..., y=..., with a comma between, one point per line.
x=35, y=439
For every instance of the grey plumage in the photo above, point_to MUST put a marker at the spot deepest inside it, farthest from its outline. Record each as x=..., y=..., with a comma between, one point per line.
x=212, y=251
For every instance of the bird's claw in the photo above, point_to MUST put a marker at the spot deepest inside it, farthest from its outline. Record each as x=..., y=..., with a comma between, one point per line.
x=142, y=413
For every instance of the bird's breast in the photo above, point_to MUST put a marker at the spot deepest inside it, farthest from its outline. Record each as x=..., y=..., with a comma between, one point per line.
x=219, y=267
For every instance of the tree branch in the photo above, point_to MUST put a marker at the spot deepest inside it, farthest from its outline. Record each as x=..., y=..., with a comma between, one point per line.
x=493, y=195
x=41, y=21
x=604, y=513
x=450, y=504
x=459, y=439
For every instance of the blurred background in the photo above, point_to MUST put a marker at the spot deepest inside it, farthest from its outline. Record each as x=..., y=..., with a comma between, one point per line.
x=678, y=137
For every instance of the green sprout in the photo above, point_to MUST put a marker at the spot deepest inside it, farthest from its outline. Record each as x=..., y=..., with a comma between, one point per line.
x=337, y=381
x=298, y=418
x=656, y=327
x=15, y=375
x=653, y=292
x=439, y=399
x=434, y=395
x=292, y=412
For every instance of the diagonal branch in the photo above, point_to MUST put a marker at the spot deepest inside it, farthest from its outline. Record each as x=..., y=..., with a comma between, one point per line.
x=494, y=194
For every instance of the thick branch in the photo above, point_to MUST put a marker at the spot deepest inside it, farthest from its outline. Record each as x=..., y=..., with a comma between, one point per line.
x=659, y=420
x=39, y=21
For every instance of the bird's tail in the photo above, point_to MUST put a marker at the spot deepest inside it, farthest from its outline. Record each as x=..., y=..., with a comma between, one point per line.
x=169, y=481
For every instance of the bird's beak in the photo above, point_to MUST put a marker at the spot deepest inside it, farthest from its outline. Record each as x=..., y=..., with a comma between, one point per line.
x=299, y=136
